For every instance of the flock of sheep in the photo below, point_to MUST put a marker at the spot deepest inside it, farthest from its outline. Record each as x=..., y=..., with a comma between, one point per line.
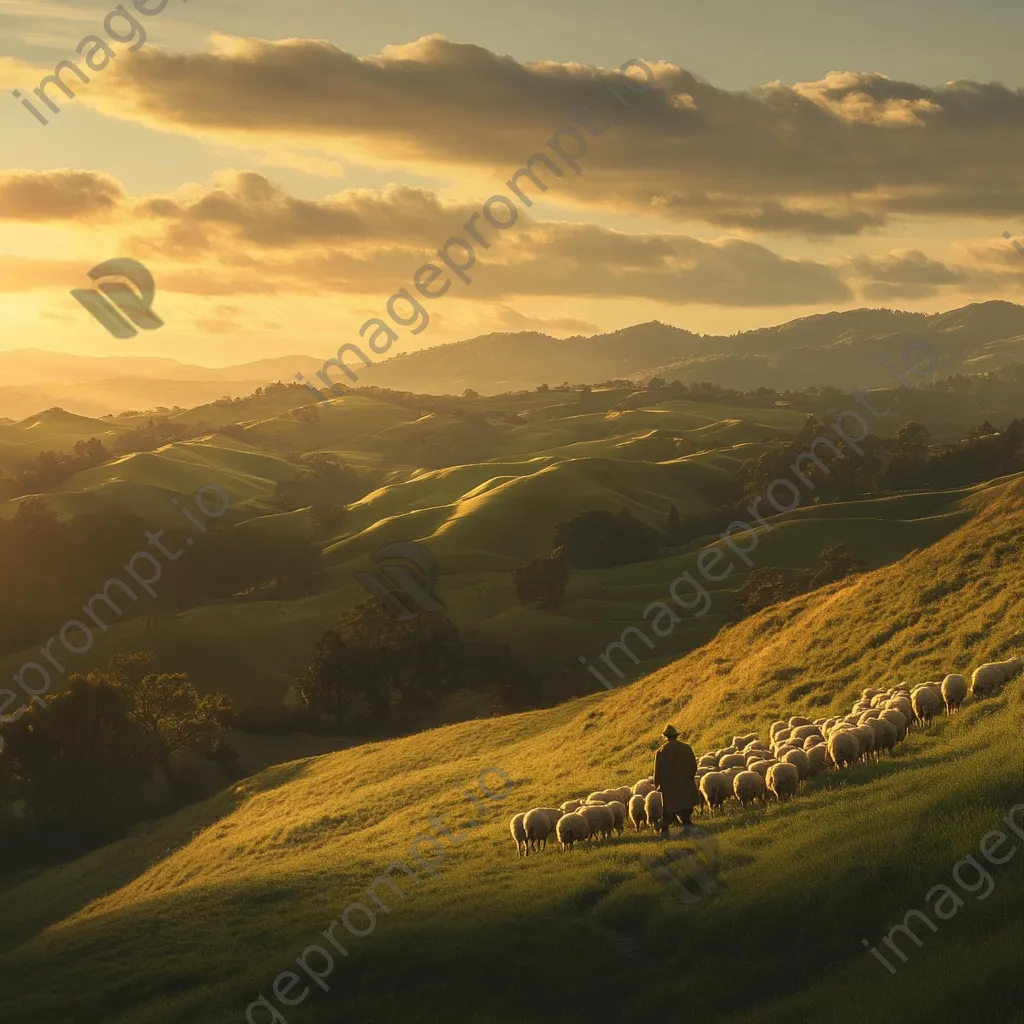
x=751, y=771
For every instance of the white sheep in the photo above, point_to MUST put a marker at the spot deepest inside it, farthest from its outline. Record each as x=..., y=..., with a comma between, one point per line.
x=899, y=720
x=622, y=794
x=553, y=813
x=927, y=703
x=571, y=828
x=642, y=788
x=798, y=758
x=655, y=808
x=748, y=787
x=954, y=690
x=538, y=827
x=761, y=767
x=619, y=814
x=843, y=749
x=987, y=679
x=599, y=818
x=733, y=761
x=570, y=805
x=515, y=826
x=885, y=734
x=797, y=721
x=716, y=788
x=637, y=810
x=783, y=781
x=816, y=759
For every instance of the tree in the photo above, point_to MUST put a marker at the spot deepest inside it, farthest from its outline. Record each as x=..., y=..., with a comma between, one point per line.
x=166, y=708
x=375, y=674
x=81, y=765
x=597, y=539
x=542, y=580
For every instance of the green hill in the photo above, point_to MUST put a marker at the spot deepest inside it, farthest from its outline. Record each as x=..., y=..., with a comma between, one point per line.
x=191, y=918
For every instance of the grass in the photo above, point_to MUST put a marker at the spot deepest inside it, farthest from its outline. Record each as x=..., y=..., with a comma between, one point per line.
x=191, y=917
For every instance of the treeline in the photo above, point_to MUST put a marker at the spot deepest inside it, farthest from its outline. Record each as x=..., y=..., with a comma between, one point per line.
x=374, y=675
x=121, y=744
x=767, y=585
x=53, y=566
x=907, y=461
x=51, y=467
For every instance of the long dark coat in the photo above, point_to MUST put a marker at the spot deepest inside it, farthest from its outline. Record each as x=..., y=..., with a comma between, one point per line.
x=675, y=768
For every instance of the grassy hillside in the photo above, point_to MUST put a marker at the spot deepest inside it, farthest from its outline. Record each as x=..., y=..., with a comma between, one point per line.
x=191, y=918
x=540, y=458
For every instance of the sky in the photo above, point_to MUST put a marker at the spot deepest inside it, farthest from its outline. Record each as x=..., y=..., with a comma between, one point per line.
x=284, y=170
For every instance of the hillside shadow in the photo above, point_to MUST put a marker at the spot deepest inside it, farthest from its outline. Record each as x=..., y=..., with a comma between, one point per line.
x=35, y=900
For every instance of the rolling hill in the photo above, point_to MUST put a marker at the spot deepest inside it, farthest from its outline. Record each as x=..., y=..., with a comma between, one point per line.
x=498, y=490
x=863, y=345
x=194, y=916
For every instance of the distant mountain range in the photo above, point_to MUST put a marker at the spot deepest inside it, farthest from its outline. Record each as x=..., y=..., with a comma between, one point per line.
x=860, y=348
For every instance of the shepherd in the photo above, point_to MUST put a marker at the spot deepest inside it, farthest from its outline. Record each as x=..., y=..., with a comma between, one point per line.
x=675, y=770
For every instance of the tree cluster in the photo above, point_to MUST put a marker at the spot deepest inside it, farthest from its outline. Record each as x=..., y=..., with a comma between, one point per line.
x=51, y=467
x=767, y=586
x=117, y=745
x=374, y=675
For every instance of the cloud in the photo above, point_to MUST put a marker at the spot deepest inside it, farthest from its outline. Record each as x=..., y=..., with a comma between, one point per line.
x=557, y=325
x=58, y=195
x=835, y=157
x=243, y=206
x=904, y=273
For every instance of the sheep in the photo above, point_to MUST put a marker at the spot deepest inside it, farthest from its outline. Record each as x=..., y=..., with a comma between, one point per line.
x=799, y=760
x=637, y=811
x=899, y=720
x=715, y=788
x=776, y=727
x=748, y=787
x=602, y=796
x=570, y=805
x=865, y=741
x=904, y=706
x=655, y=808
x=571, y=828
x=783, y=781
x=927, y=703
x=553, y=813
x=796, y=722
x=816, y=759
x=622, y=795
x=733, y=761
x=619, y=813
x=515, y=826
x=761, y=767
x=986, y=679
x=599, y=819
x=538, y=827
x=642, y=788
x=885, y=734
x=954, y=690
x=783, y=750
x=706, y=761
x=801, y=733
x=813, y=741
x=843, y=749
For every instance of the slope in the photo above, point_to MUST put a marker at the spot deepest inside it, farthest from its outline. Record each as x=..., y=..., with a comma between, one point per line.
x=191, y=918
